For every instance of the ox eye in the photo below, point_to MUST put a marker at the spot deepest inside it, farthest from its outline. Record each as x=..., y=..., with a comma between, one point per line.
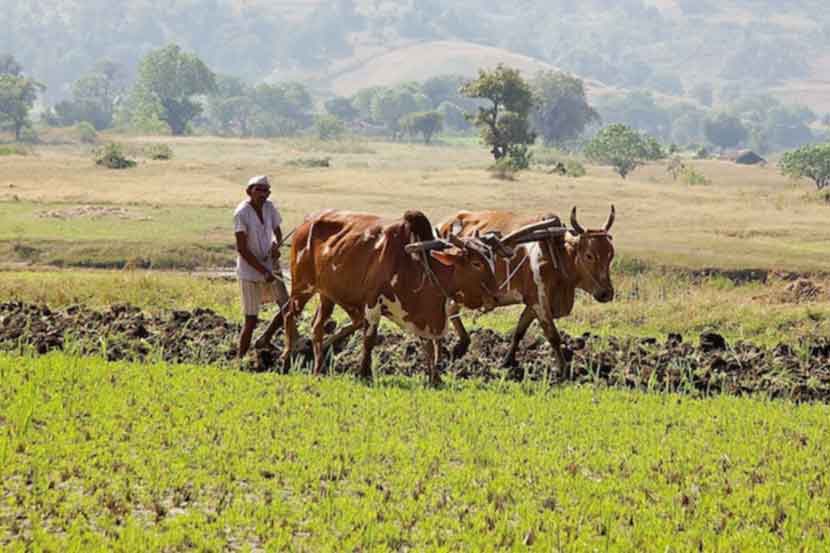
x=589, y=256
x=477, y=265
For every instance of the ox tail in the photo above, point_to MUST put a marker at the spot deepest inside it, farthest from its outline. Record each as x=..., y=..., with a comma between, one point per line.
x=419, y=225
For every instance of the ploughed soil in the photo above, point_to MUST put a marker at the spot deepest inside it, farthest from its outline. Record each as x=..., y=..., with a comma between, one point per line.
x=699, y=365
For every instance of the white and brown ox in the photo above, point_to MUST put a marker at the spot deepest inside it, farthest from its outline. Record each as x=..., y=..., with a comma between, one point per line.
x=375, y=268
x=543, y=275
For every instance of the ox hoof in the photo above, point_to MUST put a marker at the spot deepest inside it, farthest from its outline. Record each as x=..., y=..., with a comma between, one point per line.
x=460, y=350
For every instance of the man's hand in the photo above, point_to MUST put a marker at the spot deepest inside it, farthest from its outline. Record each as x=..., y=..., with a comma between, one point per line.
x=275, y=250
x=269, y=277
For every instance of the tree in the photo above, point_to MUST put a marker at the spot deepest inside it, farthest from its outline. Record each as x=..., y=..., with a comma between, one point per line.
x=811, y=162
x=504, y=125
x=329, y=127
x=10, y=66
x=619, y=146
x=389, y=106
x=724, y=130
x=454, y=117
x=17, y=97
x=425, y=123
x=341, y=108
x=168, y=79
x=562, y=111
x=93, y=97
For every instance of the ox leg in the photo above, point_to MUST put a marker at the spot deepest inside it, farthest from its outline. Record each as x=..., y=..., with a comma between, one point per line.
x=433, y=350
x=525, y=319
x=370, y=333
x=295, y=308
x=318, y=331
x=341, y=334
x=463, y=344
x=555, y=340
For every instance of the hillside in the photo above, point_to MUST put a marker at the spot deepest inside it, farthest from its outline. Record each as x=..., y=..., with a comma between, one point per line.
x=733, y=47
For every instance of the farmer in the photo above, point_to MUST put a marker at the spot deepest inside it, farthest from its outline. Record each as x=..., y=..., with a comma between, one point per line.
x=256, y=223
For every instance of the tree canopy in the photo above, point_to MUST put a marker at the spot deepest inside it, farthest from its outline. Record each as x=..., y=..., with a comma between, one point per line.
x=621, y=147
x=168, y=78
x=504, y=122
x=812, y=162
x=562, y=111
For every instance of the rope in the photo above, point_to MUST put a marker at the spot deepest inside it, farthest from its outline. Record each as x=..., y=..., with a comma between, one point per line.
x=516, y=270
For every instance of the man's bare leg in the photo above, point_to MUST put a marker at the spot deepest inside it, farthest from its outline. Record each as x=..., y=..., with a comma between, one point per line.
x=245, y=335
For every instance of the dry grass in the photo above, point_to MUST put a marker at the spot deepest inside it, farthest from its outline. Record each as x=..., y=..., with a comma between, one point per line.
x=747, y=217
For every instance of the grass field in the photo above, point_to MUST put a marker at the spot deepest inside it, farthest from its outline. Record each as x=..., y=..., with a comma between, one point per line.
x=98, y=456
x=647, y=304
x=120, y=457
x=177, y=213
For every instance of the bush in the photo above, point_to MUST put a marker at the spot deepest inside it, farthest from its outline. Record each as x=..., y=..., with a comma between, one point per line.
x=29, y=136
x=86, y=133
x=158, y=152
x=310, y=162
x=13, y=150
x=112, y=156
x=702, y=153
x=693, y=178
x=575, y=169
x=329, y=127
x=503, y=169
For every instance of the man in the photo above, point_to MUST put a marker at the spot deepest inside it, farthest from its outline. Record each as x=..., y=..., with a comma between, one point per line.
x=258, y=236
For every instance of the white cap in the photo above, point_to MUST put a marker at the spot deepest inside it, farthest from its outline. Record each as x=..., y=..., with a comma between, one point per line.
x=261, y=179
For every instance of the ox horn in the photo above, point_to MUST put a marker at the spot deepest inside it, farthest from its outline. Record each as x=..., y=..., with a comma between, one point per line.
x=610, y=220
x=575, y=224
x=426, y=245
x=530, y=229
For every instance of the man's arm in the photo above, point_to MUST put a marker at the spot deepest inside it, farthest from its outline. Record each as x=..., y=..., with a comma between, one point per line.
x=245, y=253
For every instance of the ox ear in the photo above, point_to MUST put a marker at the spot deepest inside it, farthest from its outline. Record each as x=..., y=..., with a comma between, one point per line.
x=448, y=257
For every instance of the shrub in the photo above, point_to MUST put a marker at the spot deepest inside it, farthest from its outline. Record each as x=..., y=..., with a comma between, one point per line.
x=112, y=156
x=329, y=127
x=13, y=150
x=86, y=133
x=29, y=136
x=702, y=153
x=310, y=162
x=503, y=169
x=158, y=151
x=574, y=168
x=693, y=178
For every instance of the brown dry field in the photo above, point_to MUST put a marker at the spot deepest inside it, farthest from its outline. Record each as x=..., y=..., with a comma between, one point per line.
x=746, y=217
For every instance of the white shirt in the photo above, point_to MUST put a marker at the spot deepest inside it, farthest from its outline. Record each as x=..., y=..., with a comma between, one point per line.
x=259, y=235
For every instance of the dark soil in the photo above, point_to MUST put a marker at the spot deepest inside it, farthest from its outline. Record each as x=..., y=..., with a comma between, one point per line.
x=710, y=365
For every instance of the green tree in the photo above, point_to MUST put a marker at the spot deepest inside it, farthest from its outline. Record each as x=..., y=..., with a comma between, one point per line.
x=10, y=66
x=329, y=127
x=341, y=108
x=454, y=116
x=168, y=80
x=425, y=123
x=562, y=111
x=619, y=146
x=724, y=130
x=17, y=97
x=389, y=106
x=504, y=124
x=812, y=162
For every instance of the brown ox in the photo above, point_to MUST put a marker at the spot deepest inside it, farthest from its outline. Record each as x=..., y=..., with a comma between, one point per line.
x=372, y=267
x=541, y=275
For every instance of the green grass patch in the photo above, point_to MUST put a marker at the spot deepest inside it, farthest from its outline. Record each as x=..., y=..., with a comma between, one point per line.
x=100, y=457
x=14, y=150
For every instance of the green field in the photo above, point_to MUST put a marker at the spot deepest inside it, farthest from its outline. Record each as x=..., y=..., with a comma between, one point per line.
x=120, y=457
x=98, y=456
